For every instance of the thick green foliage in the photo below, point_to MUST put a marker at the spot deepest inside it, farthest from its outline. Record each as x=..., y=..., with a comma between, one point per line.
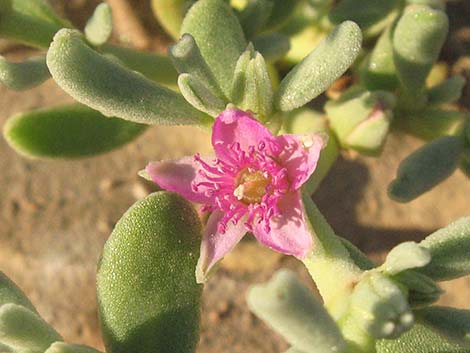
x=70, y=131
x=147, y=291
x=23, y=75
x=10, y=293
x=100, y=26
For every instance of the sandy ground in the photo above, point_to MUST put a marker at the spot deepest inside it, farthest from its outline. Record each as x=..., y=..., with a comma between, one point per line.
x=56, y=215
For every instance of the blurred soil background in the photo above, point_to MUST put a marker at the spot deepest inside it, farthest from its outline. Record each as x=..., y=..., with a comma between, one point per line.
x=56, y=215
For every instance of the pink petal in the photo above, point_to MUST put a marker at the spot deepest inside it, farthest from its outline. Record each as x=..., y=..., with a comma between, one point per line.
x=236, y=126
x=289, y=233
x=178, y=176
x=300, y=154
x=215, y=245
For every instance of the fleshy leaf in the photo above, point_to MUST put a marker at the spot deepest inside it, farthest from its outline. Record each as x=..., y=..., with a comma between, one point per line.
x=281, y=12
x=422, y=290
x=289, y=307
x=70, y=131
x=273, y=46
x=170, y=14
x=450, y=251
x=23, y=75
x=60, y=347
x=10, y=293
x=112, y=89
x=156, y=67
x=447, y=92
x=147, y=292
x=213, y=21
x=22, y=329
x=405, y=256
x=254, y=16
x=420, y=339
x=327, y=62
x=452, y=323
x=32, y=22
x=100, y=26
x=425, y=168
x=417, y=41
x=201, y=97
x=187, y=58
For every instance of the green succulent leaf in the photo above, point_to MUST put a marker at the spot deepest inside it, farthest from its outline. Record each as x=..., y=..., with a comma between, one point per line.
x=371, y=15
x=273, y=46
x=425, y=168
x=290, y=308
x=213, y=21
x=281, y=12
x=422, y=290
x=417, y=41
x=70, y=131
x=156, y=67
x=110, y=88
x=23, y=75
x=100, y=26
x=22, y=329
x=11, y=293
x=147, y=292
x=61, y=347
x=405, y=256
x=326, y=63
x=254, y=16
x=32, y=22
x=435, y=4
x=452, y=323
x=170, y=14
x=450, y=251
x=420, y=339
x=187, y=58
x=447, y=92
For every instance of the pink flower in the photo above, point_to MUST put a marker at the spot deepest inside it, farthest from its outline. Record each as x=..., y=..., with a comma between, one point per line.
x=253, y=185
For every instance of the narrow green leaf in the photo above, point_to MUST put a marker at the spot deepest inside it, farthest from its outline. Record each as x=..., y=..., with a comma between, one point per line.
x=451, y=323
x=406, y=256
x=60, y=347
x=70, y=131
x=448, y=91
x=200, y=96
x=22, y=329
x=110, y=88
x=100, y=26
x=425, y=168
x=254, y=16
x=450, y=251
x=372, y=15
x=417, y=41
x=326, y=63
x=147, y=292
x=218, y=35
x=11, y=293
x=422, y=290
x=31, y=22
x=273, y=46
x=281, y=12
x=289, y=307
x=170, y=14
x=187, y=58
x=23, y=75
x=359, y=258
x=420, y=339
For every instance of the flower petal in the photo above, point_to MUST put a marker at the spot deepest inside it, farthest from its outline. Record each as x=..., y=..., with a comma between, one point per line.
x=178, y=176
x=216, y=245
x=289, y=233
x=300, y=154
x=236, y=126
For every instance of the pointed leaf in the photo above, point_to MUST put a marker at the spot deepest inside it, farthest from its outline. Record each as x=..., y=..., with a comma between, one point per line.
x=422, y=290
x=289, y=307
x=218, y=35
x=22, y=329
x=23, y=75
x=60, y=347
x=147, y=292
x=425, y=168
x=420, y=339
x=70, y=131
x=273, y=46
x=110, y=88
x=448, y=91
x=11, y=293
x=100, y=26
x=450, y=251
x=326, y=63
x=449, y=322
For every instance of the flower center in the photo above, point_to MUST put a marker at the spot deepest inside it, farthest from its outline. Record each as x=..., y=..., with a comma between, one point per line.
x=251, y=186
